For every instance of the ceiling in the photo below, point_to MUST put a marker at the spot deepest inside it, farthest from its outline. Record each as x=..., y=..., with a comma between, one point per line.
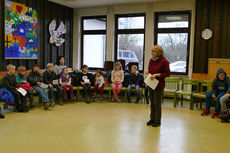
x=93, y=3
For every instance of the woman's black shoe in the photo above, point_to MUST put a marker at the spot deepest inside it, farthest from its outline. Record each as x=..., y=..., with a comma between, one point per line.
x=156, y=124
x=150, y=122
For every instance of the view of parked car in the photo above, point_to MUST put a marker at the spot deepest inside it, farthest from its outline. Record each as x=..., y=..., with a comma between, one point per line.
x=179, y=66
x=128, y=56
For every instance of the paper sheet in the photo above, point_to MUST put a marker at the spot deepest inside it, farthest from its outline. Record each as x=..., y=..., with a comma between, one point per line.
x=86, y=80
x=43, y=85
x=151, y=83
x=22, y=91
x=55, y=82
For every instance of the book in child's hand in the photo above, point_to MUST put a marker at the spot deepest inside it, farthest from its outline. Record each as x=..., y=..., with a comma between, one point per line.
x=43, y=85
x=55, y=82
x=22, y=91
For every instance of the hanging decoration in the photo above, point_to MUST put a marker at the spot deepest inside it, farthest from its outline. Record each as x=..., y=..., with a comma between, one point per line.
x=21, y=27
x=55, y=34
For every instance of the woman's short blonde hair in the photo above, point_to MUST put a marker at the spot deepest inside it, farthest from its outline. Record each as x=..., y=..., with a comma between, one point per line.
x=21, y=68
x=49, y=65
x=158, y=49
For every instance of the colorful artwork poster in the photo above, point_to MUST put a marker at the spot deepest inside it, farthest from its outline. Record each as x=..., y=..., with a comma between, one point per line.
x=21, y=28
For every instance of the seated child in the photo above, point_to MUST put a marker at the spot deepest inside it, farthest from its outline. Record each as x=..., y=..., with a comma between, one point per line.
x=117, y=78
x=224, y=100
x=22, y=82
x=220, y=85
x=65, y=81
x=9, y=82
x=133, y=83
x=85, y=82
x=49, y=77
x=35, y=81
x=99, y=85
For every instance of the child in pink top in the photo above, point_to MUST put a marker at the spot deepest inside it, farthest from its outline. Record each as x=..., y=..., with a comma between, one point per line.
x=117, y=78
x=65, y=81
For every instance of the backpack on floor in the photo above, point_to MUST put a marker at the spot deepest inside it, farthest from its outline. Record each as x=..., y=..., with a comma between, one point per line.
x=7, y=97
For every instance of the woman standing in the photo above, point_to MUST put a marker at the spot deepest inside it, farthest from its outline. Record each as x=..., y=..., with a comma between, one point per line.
x=59, y=65
x=159, y=69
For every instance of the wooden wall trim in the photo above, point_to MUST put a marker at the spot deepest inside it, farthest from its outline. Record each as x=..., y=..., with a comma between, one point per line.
x=215, y=15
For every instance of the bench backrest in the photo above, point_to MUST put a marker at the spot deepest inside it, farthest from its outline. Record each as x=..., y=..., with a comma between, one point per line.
x=172, y=83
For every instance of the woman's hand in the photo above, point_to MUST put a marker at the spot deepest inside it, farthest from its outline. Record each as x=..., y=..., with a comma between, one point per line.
x=153, y=77
x=158, y=75
x=146, y=71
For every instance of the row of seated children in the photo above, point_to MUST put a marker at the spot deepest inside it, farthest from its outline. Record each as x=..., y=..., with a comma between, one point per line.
x=117, y=79
x=12, y=83
x=221, y=92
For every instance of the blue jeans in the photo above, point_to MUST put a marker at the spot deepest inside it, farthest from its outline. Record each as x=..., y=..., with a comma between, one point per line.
x=87, y=89
x=129, y=91
x=42, y=92
x=59, y=92
x=209, y=98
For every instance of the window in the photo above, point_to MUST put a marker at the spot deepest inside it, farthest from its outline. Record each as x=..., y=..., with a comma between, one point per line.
x=129, y=38
x=93, y=41
x=172, y=32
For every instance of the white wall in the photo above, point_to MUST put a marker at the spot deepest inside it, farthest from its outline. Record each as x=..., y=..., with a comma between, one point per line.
x=148, y=8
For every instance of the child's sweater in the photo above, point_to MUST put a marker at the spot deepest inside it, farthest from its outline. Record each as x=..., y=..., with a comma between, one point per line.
x=65, y=79
x=49, y=77
x=20, y=78
x=117, y=76
x=100, y=80
x=134, y=79
x=9, y=82
x=84, y=77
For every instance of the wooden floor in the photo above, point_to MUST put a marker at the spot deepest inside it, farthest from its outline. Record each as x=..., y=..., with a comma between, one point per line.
x=111, y=128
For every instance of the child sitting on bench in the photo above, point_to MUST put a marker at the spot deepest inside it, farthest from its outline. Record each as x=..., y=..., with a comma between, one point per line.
x=65, y=81
x=51, y=79
x=220, y=85
x=10, y=83
x=22, y=82
x=35, y=80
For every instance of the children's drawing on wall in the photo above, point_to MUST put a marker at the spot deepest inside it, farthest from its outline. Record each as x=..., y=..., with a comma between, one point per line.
x=21, y=24
x=55, y=34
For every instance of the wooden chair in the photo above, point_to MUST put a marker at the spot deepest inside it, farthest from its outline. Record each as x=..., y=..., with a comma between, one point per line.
x=172, y=85
x=188, y=87
x=202, y=94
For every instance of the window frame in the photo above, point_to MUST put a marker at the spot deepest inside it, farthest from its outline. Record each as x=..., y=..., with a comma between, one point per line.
x=174, y=30
x=92, y=32
x=128, y=31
